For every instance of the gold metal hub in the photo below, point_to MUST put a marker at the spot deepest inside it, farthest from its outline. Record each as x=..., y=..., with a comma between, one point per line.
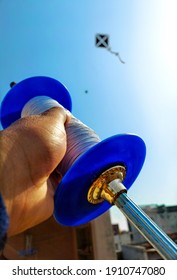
x=100, y=189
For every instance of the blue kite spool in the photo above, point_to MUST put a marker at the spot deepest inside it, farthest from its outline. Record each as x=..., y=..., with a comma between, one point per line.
x=71, y=205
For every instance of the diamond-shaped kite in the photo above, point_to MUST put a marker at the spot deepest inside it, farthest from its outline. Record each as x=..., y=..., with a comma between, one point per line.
x=102, y=41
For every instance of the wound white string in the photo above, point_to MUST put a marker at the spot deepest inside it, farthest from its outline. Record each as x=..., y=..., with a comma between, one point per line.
x=80, y=137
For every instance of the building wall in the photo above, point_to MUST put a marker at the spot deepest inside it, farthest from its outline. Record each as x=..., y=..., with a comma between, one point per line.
x=123, y=238
x=137, y=252
x=103, y=238
x=45, y=241
x=130, y=252
x=51, y=241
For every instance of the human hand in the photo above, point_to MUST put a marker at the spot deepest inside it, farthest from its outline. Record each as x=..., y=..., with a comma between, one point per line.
x=31, y=150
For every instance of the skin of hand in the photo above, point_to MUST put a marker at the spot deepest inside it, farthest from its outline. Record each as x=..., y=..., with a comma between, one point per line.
x=31, y=149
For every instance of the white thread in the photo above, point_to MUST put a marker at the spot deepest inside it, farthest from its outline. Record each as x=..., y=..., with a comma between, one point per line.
x=79, y=136
x=38, y=105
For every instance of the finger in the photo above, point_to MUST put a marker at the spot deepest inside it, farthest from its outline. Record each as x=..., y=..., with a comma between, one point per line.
x=56, y=111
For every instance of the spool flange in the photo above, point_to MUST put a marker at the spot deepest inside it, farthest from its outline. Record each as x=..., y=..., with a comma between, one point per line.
x=22, y=92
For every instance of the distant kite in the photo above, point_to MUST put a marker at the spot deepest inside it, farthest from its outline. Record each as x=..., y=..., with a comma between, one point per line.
x=102, y=41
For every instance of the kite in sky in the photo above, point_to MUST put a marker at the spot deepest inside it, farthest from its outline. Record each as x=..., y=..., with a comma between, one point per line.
x=102, y=41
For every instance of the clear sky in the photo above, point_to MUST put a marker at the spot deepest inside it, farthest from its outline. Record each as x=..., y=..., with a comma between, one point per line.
x=57, y=39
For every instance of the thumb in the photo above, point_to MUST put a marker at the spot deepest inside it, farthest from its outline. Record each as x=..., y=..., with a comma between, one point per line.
x=39, y=141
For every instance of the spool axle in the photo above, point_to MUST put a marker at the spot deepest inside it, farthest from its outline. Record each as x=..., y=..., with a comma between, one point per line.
x=109, y=187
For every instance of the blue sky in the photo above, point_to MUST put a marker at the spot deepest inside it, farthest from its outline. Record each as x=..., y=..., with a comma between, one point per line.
x=57, y=39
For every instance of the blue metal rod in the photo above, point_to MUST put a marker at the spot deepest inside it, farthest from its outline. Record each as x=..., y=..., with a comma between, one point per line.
x=158, y=239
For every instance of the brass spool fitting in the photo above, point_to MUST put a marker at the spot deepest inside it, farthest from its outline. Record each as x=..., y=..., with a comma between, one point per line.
x=107, y=186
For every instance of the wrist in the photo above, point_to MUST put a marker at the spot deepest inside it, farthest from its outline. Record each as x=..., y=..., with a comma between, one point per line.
x=4, y=223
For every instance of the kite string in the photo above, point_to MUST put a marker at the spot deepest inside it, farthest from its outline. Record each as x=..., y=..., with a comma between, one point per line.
x=80, y=137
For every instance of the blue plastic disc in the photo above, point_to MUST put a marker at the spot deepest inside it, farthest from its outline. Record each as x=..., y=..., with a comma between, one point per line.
x=71, y=205
x=23, y=91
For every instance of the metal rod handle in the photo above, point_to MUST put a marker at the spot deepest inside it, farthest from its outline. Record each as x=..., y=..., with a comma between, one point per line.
x=158, y=239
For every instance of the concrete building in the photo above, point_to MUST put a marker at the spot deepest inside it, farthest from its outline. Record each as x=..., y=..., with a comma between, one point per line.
x=51, y=241
x=164, y=216
x=123, y=238
x=131, y=245
x=138, y=248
